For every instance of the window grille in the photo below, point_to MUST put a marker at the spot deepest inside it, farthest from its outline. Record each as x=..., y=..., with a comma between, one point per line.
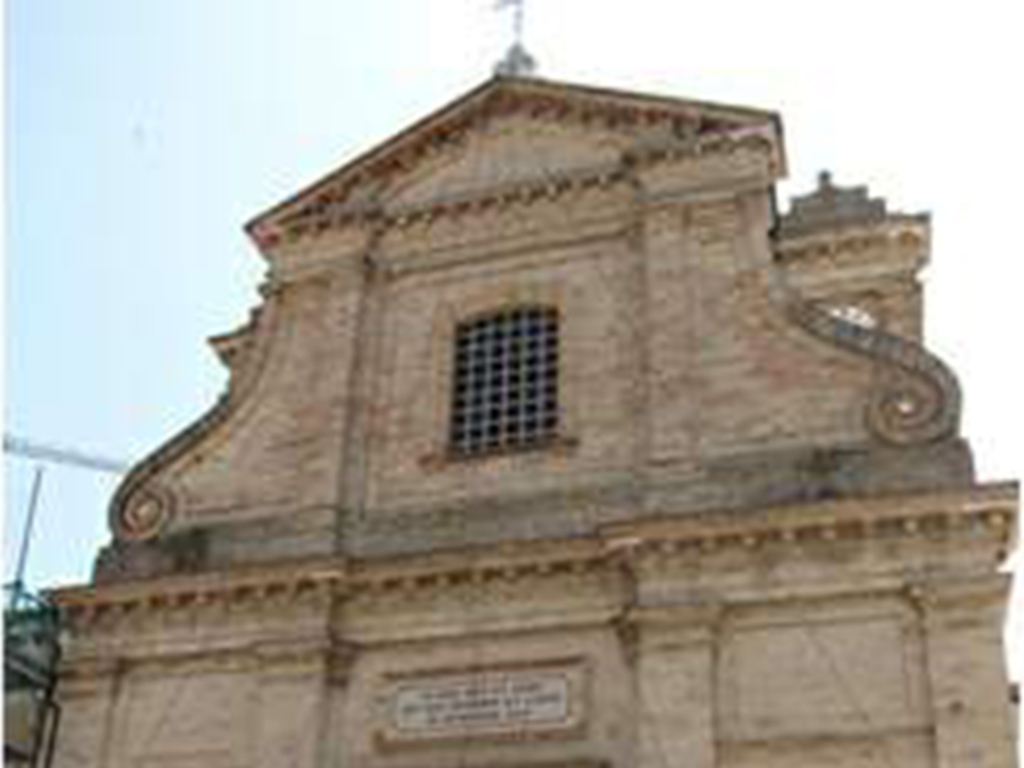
x=505, y=382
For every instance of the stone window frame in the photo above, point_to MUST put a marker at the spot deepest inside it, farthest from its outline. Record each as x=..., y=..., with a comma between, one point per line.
x=505, y=397
x=449, y=314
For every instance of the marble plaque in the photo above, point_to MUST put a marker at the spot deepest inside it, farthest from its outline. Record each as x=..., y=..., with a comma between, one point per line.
x=485, y=701
x=492, y=702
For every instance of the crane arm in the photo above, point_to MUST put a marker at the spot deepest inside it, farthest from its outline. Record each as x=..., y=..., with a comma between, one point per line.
x=31, y=449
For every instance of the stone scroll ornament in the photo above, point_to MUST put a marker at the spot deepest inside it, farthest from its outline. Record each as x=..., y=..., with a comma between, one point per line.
x=917, y=399
x=145, y=515
x=143, y=506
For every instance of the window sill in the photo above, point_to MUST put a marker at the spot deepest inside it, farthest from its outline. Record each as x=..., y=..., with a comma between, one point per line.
x=556, y=445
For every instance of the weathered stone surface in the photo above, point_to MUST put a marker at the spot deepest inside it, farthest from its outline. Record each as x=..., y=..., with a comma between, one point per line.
x=755, y=540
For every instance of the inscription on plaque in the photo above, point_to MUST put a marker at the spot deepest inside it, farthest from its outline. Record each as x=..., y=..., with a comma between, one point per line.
x=482, y=703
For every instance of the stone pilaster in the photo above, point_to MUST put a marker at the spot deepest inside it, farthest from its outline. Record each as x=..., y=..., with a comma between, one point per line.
x=967, y=673
x=675, y=669
x=298, y=690
x=87, y=696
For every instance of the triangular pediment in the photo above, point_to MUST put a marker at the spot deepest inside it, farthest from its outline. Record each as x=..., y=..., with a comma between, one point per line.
x=505, y=151
x=506, y=131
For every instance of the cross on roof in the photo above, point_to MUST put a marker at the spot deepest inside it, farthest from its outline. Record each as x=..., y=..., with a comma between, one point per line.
x=517, y=62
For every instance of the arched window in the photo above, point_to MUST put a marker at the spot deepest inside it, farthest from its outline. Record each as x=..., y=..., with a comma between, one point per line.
x=505, y=381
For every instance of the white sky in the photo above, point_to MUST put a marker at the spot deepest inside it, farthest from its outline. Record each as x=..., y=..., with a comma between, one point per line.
x=140, y=136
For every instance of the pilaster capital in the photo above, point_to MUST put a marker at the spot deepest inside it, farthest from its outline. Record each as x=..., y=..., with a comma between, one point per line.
x=938, y=597
x=675, y=625
x=88, y=676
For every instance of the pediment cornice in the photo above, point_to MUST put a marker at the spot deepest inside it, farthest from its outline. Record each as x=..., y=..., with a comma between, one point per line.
x=909, y=233
x=659, y=129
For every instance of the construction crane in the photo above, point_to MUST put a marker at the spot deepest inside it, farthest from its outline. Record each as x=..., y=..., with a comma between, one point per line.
x=31, y=625
x=43, y=454
x=30, y=449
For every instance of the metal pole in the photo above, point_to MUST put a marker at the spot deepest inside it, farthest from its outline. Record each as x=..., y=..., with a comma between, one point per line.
x=26, y=534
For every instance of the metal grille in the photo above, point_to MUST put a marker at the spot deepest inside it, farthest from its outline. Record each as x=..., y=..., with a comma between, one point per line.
x=505, y=384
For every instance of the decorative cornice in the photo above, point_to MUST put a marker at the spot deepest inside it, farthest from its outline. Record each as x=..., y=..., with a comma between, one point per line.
x=991, y=509
x=703, y=127
x=315, y=220
x=285, y=586
x=755, y=140
x=906, y=232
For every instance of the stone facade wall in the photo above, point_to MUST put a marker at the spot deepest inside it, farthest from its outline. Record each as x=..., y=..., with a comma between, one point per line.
x=848, y=632
x=755, y=541
x=684, y=384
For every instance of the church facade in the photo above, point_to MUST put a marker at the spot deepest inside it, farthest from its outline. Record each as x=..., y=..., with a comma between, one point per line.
x=554, y=443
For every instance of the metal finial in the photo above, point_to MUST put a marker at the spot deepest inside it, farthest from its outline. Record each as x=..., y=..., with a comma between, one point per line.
x=517, y=61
